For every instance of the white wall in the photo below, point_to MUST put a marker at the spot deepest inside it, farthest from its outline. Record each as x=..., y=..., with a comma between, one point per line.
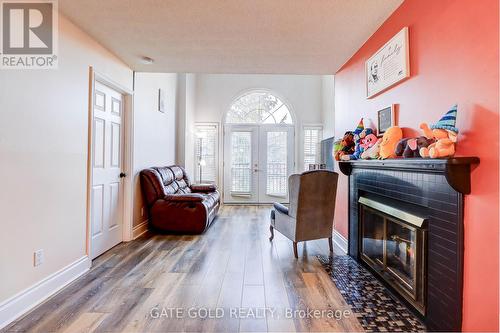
x=43, y=159
x=186, y=95
x=154, y=132
x=191, y=80
x=303, y=93
x=181, y=119
x=328, y=109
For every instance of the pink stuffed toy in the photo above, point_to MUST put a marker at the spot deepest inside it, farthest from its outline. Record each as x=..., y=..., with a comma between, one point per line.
x=368, y=141
x=371, y=147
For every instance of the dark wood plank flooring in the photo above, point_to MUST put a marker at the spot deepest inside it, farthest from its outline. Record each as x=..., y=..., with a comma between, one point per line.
x=232, y=267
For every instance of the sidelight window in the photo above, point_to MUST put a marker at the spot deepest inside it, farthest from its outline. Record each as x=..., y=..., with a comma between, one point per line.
x=206, y=147
x=312, y=139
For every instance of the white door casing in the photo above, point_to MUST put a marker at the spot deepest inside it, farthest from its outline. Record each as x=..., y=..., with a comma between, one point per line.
x=107, y=150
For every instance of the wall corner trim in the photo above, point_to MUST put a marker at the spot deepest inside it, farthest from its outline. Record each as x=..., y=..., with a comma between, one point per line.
x=140, y=229
x=26, y=300
x=340, y=241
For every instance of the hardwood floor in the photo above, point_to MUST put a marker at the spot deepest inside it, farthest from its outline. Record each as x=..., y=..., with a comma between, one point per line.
x=232, y=269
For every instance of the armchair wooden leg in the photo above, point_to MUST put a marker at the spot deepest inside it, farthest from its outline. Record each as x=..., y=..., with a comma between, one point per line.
x=271, y=229
x=295, y=251
x=330, y=243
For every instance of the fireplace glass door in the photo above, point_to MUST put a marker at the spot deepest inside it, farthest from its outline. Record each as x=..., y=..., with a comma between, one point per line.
x=395, y=250
x=373, y=238
x=401, y=253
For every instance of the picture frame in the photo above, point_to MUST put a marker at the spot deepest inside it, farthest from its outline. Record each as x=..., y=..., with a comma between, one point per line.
x=389, y=65
x=161, y=100
x=386, y=118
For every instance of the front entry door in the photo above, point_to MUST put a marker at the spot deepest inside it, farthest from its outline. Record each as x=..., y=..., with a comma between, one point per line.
x=257, y=163
x=107, y=160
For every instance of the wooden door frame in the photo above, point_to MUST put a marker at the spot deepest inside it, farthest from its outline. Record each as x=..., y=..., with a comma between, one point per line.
x=128, y=152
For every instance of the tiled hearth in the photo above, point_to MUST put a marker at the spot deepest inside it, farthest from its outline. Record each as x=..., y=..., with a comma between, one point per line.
x=375, y=307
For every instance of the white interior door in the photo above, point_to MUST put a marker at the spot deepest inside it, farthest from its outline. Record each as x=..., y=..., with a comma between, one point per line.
x=257, y=163
x=107, y=161
x=276, y=162
x=241, y=164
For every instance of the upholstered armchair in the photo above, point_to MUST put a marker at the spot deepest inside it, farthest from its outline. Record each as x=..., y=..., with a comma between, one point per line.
x=311, y=210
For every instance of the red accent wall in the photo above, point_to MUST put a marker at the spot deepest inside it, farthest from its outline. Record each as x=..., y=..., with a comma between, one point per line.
x=454, y=59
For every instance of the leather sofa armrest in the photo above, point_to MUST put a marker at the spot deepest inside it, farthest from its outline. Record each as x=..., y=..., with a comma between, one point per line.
x=203, y=188
x=192, y=197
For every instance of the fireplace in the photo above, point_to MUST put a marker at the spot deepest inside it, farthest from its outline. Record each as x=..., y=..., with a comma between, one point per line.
x=406, y=226
x=393, y=244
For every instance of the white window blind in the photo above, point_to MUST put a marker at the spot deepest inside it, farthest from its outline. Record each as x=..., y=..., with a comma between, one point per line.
x=241, y=162
x=312, y=139
x=206, y=153
x=277, y=163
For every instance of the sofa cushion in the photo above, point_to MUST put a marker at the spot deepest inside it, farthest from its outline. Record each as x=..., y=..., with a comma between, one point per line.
x=181, y=180
x=167, y=177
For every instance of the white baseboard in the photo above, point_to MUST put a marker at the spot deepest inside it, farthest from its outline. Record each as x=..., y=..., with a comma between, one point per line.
x=27, y=299
x=340, y=241
x=140, y=229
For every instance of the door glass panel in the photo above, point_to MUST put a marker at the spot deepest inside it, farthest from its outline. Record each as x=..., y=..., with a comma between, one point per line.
x=277, y=150
x=241, y=162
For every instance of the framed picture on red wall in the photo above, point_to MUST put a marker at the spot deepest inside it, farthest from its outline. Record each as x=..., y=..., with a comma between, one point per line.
x=389, y=65
x=386, y=118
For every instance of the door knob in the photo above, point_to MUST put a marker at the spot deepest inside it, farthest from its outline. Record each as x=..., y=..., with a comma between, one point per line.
x=123, y=175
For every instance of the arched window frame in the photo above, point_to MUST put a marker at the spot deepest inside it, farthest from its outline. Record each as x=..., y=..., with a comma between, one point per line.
x=227, y=115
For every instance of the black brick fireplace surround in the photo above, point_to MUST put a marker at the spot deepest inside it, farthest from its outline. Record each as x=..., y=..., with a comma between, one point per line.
x=433, y=189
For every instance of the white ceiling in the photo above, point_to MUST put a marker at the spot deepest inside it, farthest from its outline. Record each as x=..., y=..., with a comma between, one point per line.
x=232, y=36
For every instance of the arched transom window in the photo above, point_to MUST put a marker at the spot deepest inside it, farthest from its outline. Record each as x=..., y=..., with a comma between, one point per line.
x=259, y=107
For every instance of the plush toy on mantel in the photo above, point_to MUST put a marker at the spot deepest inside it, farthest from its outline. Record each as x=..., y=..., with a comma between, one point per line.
x=372, y=149
x=389, y=141
x=410, y=147
x=344, y=146
x=368, y=141
x=445, y=135
x=360, y=134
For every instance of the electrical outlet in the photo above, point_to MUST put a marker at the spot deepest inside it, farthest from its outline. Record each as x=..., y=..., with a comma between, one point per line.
x=38, y=258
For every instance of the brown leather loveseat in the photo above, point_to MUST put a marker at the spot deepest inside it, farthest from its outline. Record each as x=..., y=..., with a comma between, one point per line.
x=176, y=205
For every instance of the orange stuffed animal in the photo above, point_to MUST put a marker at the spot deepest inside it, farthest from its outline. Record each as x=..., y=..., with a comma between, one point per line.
x=389, y=141
x=445, y=135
